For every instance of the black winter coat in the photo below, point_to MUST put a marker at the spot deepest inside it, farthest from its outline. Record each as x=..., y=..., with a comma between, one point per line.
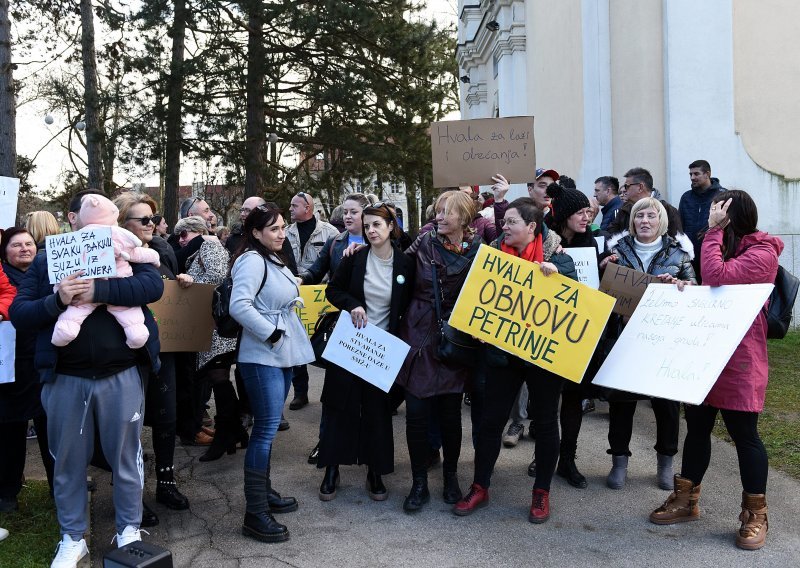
x=346, y=292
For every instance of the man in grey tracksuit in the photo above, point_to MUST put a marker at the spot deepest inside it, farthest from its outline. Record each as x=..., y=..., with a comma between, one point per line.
x=92, y=383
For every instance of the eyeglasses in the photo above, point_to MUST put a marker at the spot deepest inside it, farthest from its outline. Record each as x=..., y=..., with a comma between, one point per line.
x=183, y=234
x=627, y=185
x=146, y=220
x=303, y=196
x=510, y=222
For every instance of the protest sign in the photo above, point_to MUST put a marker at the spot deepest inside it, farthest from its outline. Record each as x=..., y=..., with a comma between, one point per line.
x=677, y=343
x=8, y=347
x=626, y=285
x=89, y=249
x=601, y=243
x=370, y=353
x=585, y=259
x=9, y=194
x=552, y=321
x=184, y=317
x=470, y=152
x=315, y=304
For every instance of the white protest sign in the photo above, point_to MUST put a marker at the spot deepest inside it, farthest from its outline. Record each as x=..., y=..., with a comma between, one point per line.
x=9, y=193
x=601, y=243
x=89, y=249
x=369, y=353
x=585, y=259
x=677, y=343
x=8, y=344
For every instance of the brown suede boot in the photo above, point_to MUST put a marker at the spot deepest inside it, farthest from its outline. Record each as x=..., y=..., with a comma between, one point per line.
x=680, y=506
x=753, y=533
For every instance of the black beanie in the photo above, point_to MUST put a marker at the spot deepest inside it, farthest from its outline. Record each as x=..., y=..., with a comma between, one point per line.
x=566, y=201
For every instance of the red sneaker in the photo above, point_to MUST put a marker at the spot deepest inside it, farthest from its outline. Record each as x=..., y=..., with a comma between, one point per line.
x=540, y=506
x=475, y=498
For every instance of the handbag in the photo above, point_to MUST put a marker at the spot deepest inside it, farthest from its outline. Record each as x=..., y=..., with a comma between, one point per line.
x=455, y=347
x=322, y=333
x=227, y=326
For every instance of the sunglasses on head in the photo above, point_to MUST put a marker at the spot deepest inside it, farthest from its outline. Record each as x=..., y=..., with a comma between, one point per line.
x=146, y=220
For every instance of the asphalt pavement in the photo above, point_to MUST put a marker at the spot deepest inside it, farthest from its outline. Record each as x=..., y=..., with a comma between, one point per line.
x=593, y=527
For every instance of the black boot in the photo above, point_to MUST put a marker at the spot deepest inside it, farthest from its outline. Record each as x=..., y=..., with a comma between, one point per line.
x=278, y=504
x=418, y=496
x=226, y=421
x=375, y=487
x=149, y=518
x=327, y=490
x=569, y=471
x=258, y=521
x=451, y=493
x=167, y=491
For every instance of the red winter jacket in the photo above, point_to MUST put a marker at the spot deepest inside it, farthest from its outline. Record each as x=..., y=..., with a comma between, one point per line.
x=7, y=293
x=743, y=382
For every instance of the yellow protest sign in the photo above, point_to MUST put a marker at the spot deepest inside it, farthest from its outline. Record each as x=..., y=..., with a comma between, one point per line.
x=316, y=304
x=552, y=321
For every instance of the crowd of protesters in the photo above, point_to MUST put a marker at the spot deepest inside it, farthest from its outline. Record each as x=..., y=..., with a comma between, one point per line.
x=89, y=398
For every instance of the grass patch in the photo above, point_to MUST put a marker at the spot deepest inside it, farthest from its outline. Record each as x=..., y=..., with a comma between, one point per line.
x=34, y=529
x=779, y=424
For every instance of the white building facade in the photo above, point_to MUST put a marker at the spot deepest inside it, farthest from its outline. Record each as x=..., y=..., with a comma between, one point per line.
x=615, y=84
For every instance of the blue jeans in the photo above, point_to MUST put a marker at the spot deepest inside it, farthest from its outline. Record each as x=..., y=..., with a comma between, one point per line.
x=267, y=388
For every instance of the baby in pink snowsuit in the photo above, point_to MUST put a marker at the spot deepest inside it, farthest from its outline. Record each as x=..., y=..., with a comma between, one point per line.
x=98, y=211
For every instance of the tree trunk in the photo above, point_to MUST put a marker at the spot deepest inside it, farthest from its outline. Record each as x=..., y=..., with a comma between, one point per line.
x=94, y=137
x=8, y=106
x=256, y=143
x=174, y=125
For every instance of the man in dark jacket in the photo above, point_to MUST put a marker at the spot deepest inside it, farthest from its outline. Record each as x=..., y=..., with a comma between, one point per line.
x=695, y=204
x=606, y=191
x=638, y=185
x=93, y=383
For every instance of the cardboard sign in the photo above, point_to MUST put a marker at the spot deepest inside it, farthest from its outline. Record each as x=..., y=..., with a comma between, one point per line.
x=585, y=259
x=676, y=344
x=8, y=348
x=9, y=195
x=626, y=285
x=89, y=249
x=316, y=304
x=470, y=152
x=184, y=317
x=369, y=353
x=552, y=321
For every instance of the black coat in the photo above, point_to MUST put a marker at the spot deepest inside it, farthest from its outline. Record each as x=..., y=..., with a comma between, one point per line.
x=21, y=400
x=346, y=292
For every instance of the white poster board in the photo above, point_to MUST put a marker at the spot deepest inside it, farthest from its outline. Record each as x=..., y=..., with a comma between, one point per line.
x=677, y=343
x=8, y=344
x=9, y=194
x=585, y=259
x=601, y=243
x=89, y=249
x=369, y=353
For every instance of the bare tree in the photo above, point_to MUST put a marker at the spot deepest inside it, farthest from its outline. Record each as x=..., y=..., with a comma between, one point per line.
x=94, y=137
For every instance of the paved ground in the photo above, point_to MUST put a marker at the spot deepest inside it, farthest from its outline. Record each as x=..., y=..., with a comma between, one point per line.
x=591, y=527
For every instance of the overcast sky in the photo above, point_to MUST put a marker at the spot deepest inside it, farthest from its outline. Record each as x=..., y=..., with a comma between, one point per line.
x=33, y=133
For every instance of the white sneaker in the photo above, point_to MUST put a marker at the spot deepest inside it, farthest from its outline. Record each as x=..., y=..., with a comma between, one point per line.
x=3, y=533
x=129, y=534
x=69, y=552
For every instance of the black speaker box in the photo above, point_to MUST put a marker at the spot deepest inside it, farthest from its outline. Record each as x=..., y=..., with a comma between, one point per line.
x=138, y=554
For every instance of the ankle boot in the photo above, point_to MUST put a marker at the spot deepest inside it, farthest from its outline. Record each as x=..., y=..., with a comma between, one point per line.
x=226, y=422
x=680, y=506
x=418, y=496
x=167, y=491
x=569, y=471
x=327, y=490
x=451, y=492
x=752, y=534
x=619, y=471
x=664, y=472
x=278, y=504
x=258, y=521
x=375, y=487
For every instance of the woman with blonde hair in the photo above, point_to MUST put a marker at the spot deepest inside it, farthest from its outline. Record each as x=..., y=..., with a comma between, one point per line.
x=41, y=224
x=429, y=382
